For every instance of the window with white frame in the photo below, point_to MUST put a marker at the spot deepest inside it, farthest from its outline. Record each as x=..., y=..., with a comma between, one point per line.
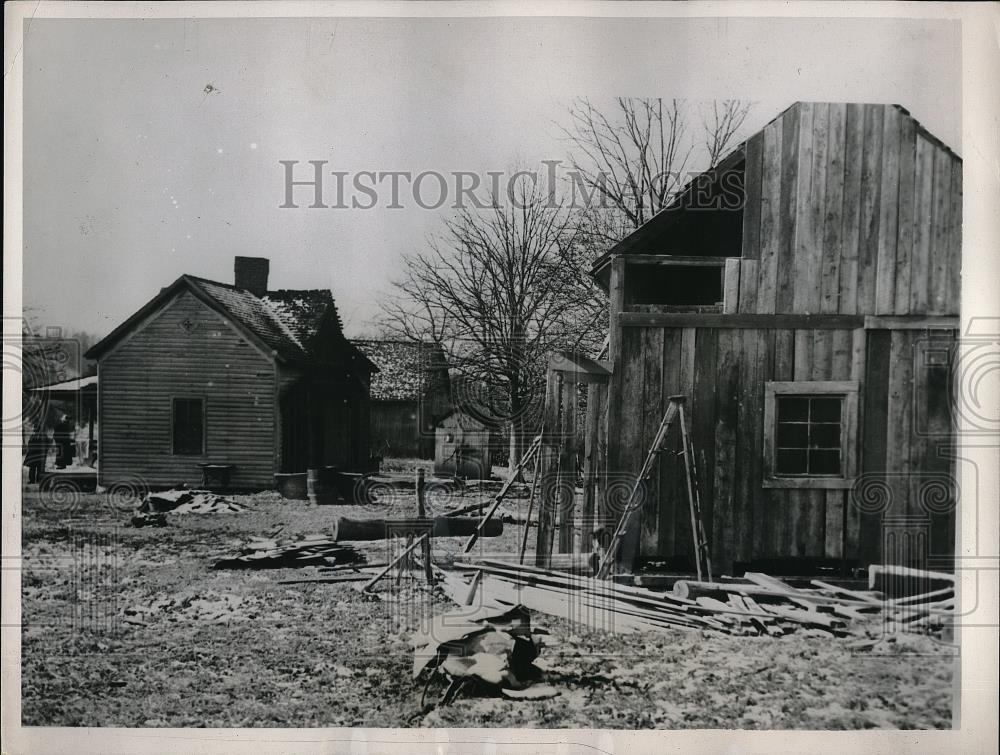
x=810, y=434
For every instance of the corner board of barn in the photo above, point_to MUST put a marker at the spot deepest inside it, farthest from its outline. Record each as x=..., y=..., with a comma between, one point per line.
x=803, y=296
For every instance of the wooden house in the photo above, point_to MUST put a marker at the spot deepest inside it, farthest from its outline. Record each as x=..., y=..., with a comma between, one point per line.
x=409, y=394
x=464, y=447
x=235, y=376
x=804, y=296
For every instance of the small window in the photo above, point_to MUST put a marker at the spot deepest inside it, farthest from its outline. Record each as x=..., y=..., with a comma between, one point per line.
x=810, y=434
x=188, y=426
x=673, y=285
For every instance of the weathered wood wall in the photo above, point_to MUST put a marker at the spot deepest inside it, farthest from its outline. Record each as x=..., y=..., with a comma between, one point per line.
x=723, y=371
x=852, y=213
x=161, y=361
x=850, y=209
x=396, y=430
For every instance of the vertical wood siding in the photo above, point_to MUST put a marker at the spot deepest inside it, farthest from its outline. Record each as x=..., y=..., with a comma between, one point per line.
x=850, y=209
x=905, y=421
x=160, y=361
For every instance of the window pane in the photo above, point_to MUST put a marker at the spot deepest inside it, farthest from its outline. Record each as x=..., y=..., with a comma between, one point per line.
x=824, y=436
x=793, y=409
x=825, y=410
x=793, y=435
x=791, y=462
x=824, y=462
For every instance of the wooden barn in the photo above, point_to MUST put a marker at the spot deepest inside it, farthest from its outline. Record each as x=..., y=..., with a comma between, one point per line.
x=804, y=297
x=410, y=393
x=250, y=381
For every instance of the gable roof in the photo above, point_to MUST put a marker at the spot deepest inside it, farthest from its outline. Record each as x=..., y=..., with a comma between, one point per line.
x=281, y=322
x=406, y=369
x=687, y=196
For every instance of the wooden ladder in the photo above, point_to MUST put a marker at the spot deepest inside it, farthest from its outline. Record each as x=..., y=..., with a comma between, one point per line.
x=675, y=411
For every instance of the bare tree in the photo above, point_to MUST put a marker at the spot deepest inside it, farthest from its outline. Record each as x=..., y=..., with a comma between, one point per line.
x=721, y=123
x=499, y=289
x=632, y=158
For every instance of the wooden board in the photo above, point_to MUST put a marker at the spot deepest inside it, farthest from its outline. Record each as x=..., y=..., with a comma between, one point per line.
x=953, y=283
x=655, y=405
x=804, y=237
x=885, y=276
x=905, y=228
x=770, y=217
x=703, y=436
x=832, y=247
x=567, y=468
x=898, y=427
x=809, y=279
x=851, y=220
x=731, y=287
x=727, y=385
x=787, y=210
x=752, y=180
x=871, y=185
x=937, y=279
x=748, y=286
x=671, y=471
x=873, y=443
x=923, y=217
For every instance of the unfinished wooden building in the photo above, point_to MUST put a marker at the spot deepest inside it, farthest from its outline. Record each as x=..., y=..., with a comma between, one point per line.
x=804, y=297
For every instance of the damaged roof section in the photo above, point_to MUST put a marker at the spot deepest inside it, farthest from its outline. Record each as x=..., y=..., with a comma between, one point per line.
x=407, y=370
x=286, y=322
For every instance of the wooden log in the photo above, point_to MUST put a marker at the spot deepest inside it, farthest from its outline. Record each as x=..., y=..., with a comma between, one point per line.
x=581, y=563
x=379, y=529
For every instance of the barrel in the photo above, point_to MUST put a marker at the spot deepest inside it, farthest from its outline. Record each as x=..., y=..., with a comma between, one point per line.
x=321, y=485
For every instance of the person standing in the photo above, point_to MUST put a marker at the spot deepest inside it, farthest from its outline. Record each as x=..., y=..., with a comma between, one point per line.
x=63, y=436
x=37, y=451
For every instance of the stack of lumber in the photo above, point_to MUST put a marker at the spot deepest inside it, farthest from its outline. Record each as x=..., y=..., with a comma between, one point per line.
x=754, y=605
x=309, y=551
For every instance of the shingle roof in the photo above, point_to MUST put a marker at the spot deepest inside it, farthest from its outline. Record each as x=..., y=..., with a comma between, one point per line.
x=259, y=316
x=285, y=321
x=406, y=369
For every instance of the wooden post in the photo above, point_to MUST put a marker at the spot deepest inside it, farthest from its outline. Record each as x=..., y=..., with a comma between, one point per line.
x=422, y=513
x=546, y=467
x=567, y=467
x=531, y=500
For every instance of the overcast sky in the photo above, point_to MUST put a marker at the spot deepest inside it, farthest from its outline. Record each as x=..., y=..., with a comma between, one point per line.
x=134, y=174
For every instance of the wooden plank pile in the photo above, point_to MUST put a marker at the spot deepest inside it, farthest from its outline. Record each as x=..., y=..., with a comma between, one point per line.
x=756, y=604
x=190, y=502
x=315, y=550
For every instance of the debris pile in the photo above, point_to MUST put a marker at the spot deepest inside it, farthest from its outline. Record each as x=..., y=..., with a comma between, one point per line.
x=492, y=648
x=753, y=605
x=314, y=550
x=189, y=502
x=208, y=607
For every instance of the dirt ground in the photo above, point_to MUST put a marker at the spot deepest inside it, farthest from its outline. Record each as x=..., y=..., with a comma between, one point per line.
x=128, y=626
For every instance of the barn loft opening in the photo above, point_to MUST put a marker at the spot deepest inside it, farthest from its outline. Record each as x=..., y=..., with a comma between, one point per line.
x=673, y=285
x=705, y=219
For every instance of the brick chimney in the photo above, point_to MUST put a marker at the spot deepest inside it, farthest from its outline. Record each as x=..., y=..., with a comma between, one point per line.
x=251, y=273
